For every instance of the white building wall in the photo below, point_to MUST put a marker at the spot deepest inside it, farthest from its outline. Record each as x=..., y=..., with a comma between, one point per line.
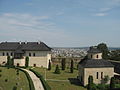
x=21, y=62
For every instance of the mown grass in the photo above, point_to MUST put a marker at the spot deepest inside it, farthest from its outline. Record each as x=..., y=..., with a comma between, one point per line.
x=20, y=81
x=70, y=83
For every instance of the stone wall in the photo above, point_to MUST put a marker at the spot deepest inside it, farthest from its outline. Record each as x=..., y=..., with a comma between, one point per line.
x=93, y=72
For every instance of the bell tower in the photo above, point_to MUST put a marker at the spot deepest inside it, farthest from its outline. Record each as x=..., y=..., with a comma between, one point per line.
x=94, y=53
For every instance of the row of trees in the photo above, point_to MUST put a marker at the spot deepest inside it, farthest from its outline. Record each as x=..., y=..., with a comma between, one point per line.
x=63, y=66
x=103, y=86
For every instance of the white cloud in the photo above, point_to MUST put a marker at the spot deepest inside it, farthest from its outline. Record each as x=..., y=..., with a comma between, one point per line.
x=21, y=27
x=105, y=9
x=100, y=14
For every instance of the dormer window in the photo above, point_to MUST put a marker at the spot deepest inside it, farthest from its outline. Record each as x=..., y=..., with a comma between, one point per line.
x=11, y=54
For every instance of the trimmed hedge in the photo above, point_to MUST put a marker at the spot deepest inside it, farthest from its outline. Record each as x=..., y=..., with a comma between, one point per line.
x=31, y=85
x=45, y=84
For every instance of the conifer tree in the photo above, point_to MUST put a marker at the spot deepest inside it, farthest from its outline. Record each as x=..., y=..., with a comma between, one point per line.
x=112, y=83
x=63, y=63
x=49, y=65
x=72, y=67
x=26, y=61
x=57, y=70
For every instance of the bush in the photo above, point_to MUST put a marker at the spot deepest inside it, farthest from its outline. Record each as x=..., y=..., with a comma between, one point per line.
x=0, y=70
x=72, y=67
x=45, y=85
x=14, y=88
x=57, y=70
x=26, y=61
x=31, y=85
x=6, y=80
x=0, y=75
x=112, y=83
x=102, y=87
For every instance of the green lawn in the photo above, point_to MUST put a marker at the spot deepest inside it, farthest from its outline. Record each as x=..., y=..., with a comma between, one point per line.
x=12, y=79
x=70, y=82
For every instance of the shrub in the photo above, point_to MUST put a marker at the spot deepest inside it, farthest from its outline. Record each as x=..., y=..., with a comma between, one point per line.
x=6, y=80
x=0, y=75
x=31, y=85
x=14, y=88
x=57, y=70
x=45, y=85
x=112, y=83
x=0, y=70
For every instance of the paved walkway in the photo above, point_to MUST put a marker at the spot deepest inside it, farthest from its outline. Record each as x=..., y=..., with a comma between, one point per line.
x=57, y=80
x=36, y=81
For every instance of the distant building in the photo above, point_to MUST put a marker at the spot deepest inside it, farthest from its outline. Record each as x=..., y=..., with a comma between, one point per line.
x=39, y=53
x=95, y=66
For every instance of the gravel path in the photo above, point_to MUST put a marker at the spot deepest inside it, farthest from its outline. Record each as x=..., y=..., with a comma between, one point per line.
x=36, y=81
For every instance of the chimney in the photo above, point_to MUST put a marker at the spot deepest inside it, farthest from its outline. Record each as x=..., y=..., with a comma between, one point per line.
x=25, y=42
x=20, y=42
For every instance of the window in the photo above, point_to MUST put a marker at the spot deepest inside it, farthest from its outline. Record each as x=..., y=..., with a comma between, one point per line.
x=101, y=75
x=3, y=54
x=7, y=54
x=29, y=54
x=97, y=56
x=34, y=65
x=34, y=54
x=91, y=56
x=11, y=54
x=97, y=75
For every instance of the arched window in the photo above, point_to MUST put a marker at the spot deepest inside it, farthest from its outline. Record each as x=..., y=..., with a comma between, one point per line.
x=91, y=56
x=101, y=75
x=29, y=54
x=11, y=54
x=97, y=56
x=3, y=54
x=7, y=54
x=97, y=76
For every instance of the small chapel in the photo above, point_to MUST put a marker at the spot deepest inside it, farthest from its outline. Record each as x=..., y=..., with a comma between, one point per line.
x=94, y=66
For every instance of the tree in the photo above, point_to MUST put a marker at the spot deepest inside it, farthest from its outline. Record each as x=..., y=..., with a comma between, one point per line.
x=91, y=85
x=115, y=55
x=72, y=67
x=104, y=49
x=63, y=63
x=57, y=70
x=26, y=61
x=112, y=83
x=105, y=79
x=8, y=60
x=49, y=65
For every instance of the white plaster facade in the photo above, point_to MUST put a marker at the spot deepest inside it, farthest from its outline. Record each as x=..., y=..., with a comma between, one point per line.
x=37, y=58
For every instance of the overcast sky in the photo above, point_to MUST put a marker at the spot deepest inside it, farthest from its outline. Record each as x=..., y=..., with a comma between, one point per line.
x=61, y=23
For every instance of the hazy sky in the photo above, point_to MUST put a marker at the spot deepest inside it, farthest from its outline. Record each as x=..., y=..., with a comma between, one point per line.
x=62, y=23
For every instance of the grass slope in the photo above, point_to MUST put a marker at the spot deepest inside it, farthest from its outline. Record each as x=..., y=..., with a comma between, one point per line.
x=10, y=75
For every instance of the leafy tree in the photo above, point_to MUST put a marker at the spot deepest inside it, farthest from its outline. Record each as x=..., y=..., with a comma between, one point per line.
x=26, y=61
x=104, y=49
x=63, y=63
x=112, y=83
x=57, y=70
x=49, y=65
x=72, y=66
